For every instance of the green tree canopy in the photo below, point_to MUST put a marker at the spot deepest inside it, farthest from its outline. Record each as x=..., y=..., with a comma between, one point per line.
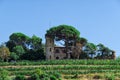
x=35, y=43
x=14, y=56
x=105, y=52
x=62, y=32
x=19, y=50
x=90, y=48
x=16, y=39
x=82, y=40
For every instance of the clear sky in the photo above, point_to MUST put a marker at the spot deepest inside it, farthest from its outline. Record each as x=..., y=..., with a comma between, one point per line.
x=97, y=20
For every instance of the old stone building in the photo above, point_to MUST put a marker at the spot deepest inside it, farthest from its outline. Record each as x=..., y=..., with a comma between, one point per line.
x=57, y=52
x=49, y=48
x=74, y=51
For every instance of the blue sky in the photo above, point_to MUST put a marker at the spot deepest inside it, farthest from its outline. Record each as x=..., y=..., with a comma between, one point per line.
x=97, y=20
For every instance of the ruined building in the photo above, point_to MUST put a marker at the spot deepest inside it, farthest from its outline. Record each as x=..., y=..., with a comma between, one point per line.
x=56, y=52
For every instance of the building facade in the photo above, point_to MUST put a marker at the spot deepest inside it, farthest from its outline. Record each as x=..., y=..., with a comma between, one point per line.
x=55, y=52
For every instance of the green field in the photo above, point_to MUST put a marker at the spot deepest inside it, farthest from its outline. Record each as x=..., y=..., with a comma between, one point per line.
x=69, y=69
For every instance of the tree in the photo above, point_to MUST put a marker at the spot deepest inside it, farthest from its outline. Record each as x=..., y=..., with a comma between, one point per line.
x=82, y=41
x=100, y=50
x=90, y=48
x=10, y=44
x=4, y=53
x=104, y=52
x=34, y=55
x=19, y=50
x=35, y=43
x=16, y=39
x=64, y=32
x=36, y=50
x=14, y=56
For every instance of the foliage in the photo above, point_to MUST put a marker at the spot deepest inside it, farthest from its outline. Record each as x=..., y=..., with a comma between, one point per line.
x=4, y=75
x=34, y=77
x=20, y=77
x=17, y=39
x=71, y=68
x=35, y=43
x=14, y=56
x=82, y=40
x=110, y=76
x=62, y=31
x=19, y=50
x=10, y=44
x=40, y=75
x=84, y=55
x=34, y=55
x=20, y=43
x=38, y=71
x=53, y=77
x=34, y=49
x=4, y=53
x=90, y=48
x=104, y=52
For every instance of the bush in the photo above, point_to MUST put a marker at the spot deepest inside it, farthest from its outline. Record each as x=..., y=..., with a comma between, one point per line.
x=110, y=76
x=4, y=75
x=44, y=75
x=38, y=72
x=14, y=56
x=53, y=77
x=35, y=77
x=20, y=77
x=40, y=75
x=57, y=75
x=34, y=55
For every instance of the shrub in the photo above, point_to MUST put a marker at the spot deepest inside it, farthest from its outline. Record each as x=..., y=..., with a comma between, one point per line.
x=57, y=75
x=46, y=78
x=14, y=56
x=35, y=77
x=39, y=75
x=44, y=75
x=110, y=76
x=4, y=75
x=38, y=72
x=20, y=77
x=53, y=77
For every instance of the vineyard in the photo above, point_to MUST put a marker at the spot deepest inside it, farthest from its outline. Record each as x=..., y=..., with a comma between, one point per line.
x=69, y=69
